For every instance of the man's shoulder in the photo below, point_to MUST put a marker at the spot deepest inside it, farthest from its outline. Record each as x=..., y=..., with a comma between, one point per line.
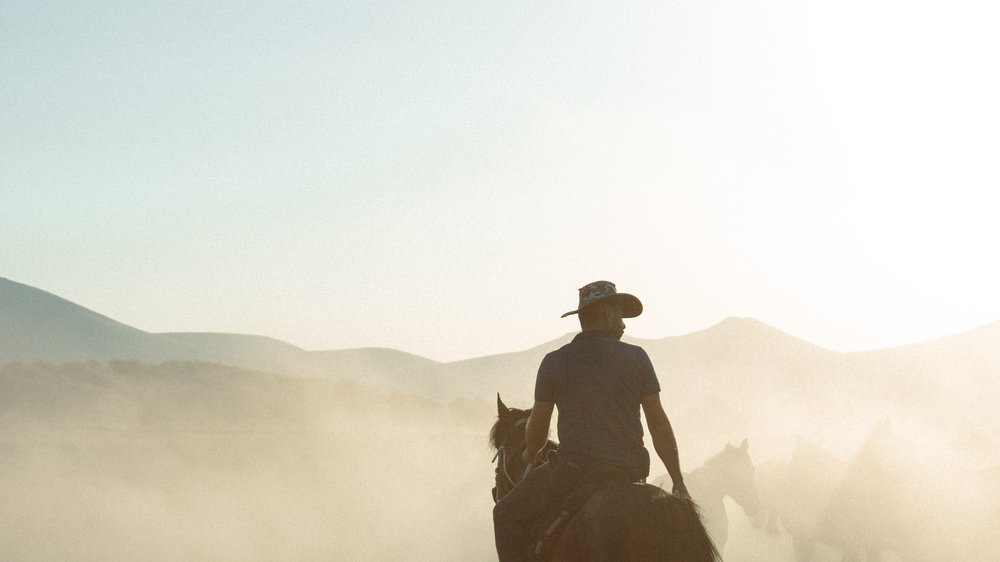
x=628, y=347
x=634, y=348
x=555, y=355
x=577, y=344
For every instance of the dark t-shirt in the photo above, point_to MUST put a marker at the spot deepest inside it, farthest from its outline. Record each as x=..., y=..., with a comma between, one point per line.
x=597, y=382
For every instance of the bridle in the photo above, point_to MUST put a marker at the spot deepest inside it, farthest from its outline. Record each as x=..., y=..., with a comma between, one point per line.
x=509, y=453
x=508, y=458
x=504, y=481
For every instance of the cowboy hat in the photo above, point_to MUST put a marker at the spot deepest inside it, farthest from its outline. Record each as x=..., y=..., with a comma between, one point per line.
x=604, y=291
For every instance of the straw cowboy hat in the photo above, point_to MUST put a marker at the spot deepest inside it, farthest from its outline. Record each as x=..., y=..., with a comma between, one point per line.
x=604, y=291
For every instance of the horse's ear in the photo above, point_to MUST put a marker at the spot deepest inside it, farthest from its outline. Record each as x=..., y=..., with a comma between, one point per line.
x=744, y=445
x=502, y=408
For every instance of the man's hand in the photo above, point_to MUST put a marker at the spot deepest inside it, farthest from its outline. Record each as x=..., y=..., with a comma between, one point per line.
x=681, y=491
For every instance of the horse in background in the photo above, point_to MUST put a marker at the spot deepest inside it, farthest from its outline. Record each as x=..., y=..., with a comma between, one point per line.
x=622, y=522
x=797, y=491
x=730, y=473
x=897, y=497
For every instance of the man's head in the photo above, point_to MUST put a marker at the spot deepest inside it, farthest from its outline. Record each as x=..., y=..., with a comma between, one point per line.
x=602, y=307
x=603, y=317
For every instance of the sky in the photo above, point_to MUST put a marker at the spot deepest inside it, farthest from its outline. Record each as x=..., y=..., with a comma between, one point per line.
x=441, y=177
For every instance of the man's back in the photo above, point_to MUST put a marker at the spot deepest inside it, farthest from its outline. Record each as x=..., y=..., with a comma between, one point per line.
x=597, y=382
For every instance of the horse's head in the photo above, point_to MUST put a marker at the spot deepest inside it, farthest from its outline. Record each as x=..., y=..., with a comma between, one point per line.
x=737, y=469
x=509, y=427
x=507, y=439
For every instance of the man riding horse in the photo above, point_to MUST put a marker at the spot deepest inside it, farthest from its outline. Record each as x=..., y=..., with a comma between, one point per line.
x=599, y=384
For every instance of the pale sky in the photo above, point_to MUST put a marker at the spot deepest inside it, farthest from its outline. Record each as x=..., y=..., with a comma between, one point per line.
x=441, y=177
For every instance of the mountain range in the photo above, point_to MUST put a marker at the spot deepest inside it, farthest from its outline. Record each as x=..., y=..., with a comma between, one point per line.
x=737, y=370
x=36, y=325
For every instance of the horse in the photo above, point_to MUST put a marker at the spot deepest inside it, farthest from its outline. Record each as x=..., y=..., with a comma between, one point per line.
x=729, y=473
x=621, y=522
x=797, y=491
x=899, y=497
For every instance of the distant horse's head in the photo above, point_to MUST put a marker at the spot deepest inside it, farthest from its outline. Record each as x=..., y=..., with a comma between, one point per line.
x=736, y=468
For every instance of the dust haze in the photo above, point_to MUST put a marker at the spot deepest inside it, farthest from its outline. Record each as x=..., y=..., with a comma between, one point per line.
x=794, y=452
x=187, y=461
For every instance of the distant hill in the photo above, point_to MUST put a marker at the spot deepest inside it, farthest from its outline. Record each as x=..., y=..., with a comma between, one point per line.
x=734, y=353
x=38, y=326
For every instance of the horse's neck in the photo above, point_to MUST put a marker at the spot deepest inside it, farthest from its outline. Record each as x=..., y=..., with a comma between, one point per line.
x=707, y=487
x=707, y=483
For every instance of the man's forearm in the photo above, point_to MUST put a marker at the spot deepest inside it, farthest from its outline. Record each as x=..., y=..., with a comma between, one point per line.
x=534, y=437
x=666, y=448
x=536, y=432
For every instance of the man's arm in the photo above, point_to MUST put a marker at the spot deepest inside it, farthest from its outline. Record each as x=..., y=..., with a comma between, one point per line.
x=536, y=433
x=664, y=441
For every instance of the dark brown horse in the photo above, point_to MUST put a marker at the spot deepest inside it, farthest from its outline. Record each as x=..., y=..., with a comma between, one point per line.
x=622, y=522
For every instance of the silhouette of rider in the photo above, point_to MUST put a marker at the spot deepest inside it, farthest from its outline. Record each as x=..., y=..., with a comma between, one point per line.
x=598, y=383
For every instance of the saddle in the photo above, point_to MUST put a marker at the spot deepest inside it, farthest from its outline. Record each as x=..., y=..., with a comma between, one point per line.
x=549, y=527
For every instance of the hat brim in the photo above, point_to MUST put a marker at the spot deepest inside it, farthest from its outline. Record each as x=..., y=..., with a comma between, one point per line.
x=631, y=306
